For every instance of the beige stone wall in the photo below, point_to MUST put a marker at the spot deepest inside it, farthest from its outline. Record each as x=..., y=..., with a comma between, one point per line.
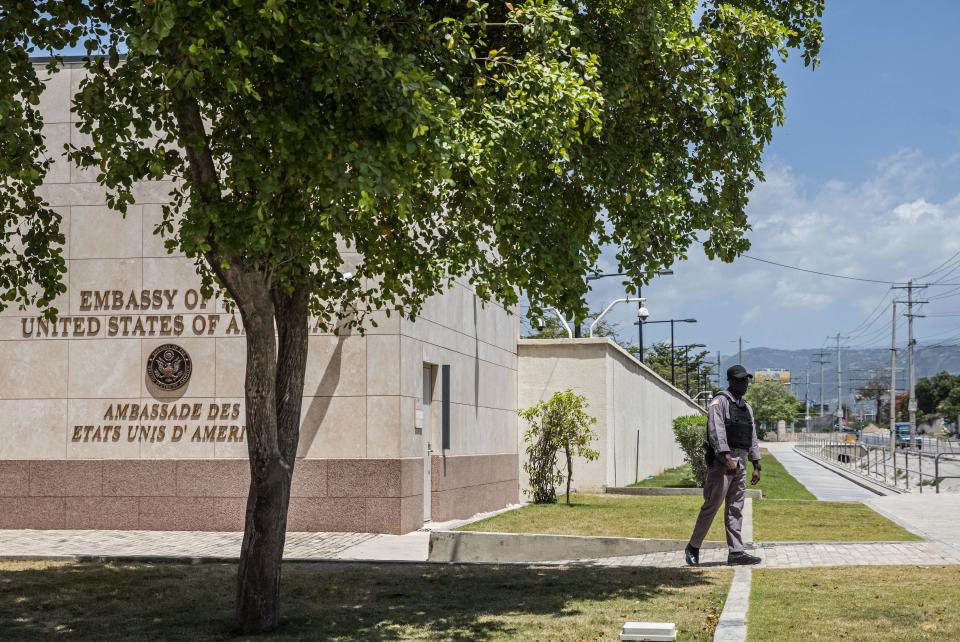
x=623, y=395
x=361, y=392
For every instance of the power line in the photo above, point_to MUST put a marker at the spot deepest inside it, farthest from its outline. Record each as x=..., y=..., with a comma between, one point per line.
x=940, y=267
x=871, y=319
x=817, y=272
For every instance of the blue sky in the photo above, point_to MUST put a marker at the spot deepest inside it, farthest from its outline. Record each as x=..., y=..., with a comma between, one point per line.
x=860, y=181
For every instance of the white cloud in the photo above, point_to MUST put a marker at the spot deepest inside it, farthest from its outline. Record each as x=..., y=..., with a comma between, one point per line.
x=888, y=227
x=913, y=210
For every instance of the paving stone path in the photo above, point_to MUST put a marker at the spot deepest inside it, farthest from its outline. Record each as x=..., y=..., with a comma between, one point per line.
x=802, y=555
x=166, y=544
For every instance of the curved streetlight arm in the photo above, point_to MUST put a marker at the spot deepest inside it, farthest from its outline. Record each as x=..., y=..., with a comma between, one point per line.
x=566, y=326
x=608, y=308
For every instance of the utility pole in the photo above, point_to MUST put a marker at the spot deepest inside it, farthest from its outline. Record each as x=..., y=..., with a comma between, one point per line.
x=719, y=380
x=740, y=350
x=820, y=360
x=806, y=402
x=839, y=385
x=911, y=365
x=893, y=384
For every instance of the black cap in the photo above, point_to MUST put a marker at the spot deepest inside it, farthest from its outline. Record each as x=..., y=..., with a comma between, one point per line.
x=738, y=372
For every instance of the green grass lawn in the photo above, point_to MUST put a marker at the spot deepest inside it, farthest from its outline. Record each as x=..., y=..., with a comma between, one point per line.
x=679, y=477
x=775, y=481
x=855, y=604
x=673, y=517
x=611, y=515
x=368, y=602
x=799, y=520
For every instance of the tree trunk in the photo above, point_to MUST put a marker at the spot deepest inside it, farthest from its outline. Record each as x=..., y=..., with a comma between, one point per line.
x=569, y=472
x=275, y=323
x=276, y=362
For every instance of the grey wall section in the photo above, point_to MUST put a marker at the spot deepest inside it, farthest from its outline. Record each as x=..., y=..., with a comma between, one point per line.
x=626, y=397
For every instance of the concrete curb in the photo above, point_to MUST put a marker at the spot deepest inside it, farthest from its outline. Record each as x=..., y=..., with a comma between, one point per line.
x=869, y=484
x=665, y=492
x=746, y=532
x=496, y=548
x=732, y=625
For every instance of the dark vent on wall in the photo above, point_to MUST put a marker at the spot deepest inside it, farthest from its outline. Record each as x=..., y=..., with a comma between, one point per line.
x=445, y=405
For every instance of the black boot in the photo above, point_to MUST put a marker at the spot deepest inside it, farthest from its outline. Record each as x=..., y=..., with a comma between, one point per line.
x=742, y=558
x=691, y=555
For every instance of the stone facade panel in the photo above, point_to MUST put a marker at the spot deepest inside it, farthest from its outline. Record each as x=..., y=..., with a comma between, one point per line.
x=383, y=365
x=105, y=369
x=33, y=369
x=338, y=366
x=333, y=427
x=383, y=427
x=33, y=429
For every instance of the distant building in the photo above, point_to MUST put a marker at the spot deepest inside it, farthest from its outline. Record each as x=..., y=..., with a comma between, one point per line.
x=770, y=374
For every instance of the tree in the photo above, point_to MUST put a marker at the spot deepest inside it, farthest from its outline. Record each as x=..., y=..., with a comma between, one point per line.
x=771, y=402
x=950, y=406
x=550, y=328
x=876, y=390
x=932, y=392
x=560, y=423
x=407, y=143
x=658, y=358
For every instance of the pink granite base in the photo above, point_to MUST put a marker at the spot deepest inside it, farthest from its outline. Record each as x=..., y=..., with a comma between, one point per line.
x=355, y=495
x=469, y=484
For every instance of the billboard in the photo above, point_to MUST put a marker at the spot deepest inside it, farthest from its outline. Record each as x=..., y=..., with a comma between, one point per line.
x=770, y=374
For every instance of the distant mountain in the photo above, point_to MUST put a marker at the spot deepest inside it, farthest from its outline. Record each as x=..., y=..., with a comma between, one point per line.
x=858, y=366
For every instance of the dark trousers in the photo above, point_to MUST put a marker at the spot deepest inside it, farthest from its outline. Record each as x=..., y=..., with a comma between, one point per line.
x=721, y=488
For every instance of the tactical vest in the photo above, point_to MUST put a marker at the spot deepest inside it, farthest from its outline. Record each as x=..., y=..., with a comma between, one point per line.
x=739, y=426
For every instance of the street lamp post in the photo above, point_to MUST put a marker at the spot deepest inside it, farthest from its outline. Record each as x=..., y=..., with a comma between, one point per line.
x=686, y=365
x=673, y=374
x=594, y=277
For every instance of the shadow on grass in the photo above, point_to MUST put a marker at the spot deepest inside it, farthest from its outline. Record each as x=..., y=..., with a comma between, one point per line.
x=352, y=602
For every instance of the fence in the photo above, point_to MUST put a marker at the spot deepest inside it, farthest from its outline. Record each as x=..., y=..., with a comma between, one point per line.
x=872, y=457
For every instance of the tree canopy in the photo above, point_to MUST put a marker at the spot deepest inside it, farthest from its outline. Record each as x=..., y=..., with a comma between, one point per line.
x=939, y=394
x=297, y=130
x=771, y=402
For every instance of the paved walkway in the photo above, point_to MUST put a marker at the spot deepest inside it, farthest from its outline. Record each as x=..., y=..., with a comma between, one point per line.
x=823, y=483
x=804, y=555
x=196, y=545
x=933, y=516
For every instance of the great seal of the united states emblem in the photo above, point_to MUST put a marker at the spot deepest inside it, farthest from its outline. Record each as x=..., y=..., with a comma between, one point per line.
x=169, y=367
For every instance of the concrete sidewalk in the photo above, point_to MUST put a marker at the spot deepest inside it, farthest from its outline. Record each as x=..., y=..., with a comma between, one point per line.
x=823, y=483
x=933, y=516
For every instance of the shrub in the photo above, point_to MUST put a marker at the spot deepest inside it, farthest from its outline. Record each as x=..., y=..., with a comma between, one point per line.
x=558, y=423
x=690, y=432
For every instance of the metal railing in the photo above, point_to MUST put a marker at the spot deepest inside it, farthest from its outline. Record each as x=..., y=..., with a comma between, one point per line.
x=872, y=458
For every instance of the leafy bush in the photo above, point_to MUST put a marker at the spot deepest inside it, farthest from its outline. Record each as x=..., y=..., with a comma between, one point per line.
x=690, y=432
x=558, y=423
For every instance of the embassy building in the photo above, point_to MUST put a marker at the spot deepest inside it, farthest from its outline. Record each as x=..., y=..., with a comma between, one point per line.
x=127, y=412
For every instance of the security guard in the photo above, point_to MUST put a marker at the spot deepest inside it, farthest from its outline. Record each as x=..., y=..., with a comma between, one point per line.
x=732, y=438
